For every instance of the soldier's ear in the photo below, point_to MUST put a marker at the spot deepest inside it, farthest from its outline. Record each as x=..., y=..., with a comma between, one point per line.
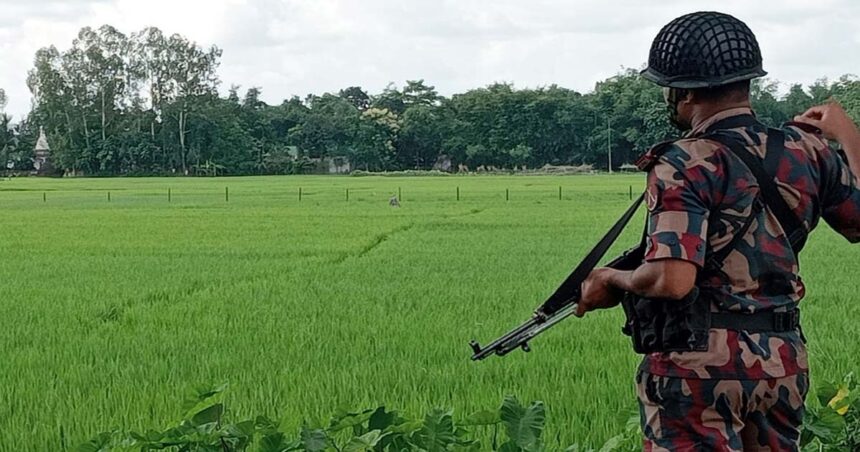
x=689, y=97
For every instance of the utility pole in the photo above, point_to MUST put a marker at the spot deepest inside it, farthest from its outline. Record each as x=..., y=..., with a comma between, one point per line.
x=609, y=142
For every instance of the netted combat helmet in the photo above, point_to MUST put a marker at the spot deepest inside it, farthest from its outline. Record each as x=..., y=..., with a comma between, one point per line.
x=703, y=50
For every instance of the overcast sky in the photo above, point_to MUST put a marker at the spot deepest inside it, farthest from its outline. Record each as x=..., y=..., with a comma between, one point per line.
x=290, y=47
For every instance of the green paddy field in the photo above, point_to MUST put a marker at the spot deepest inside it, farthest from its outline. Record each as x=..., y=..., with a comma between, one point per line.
x=110, y=310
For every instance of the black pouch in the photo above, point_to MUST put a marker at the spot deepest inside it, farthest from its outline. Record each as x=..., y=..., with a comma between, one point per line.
x=661, y=325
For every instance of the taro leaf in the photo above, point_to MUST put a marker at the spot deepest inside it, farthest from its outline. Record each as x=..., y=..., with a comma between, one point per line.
x=523, y=424
x=343, y=420
x=101, y=443
x=314, y=440
x=381, y=419
x=385, y=422
x=485, y=417
x=468, y=446
x=151, y=436
x=277, y=442
x=208, y=415
x=199, y=395
x=399, y=443
x=405, y=428
x=364, y=443
x=437, y=433
x=265, y=424
x=244, y=428
x=238, y=435
x=463, y=442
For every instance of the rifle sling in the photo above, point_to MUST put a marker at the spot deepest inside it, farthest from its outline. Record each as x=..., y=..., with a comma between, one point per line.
x=768, y=189
x=569, y=290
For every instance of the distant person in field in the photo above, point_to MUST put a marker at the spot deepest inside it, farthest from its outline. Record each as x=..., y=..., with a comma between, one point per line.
x=729, y=207
x=393, y=201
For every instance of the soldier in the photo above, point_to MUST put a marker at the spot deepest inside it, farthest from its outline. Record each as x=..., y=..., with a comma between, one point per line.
x=730, y=205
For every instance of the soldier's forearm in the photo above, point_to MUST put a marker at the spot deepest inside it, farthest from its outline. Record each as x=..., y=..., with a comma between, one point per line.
x=668, y=278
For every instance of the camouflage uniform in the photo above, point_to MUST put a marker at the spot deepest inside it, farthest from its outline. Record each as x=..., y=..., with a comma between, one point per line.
x=748, y=389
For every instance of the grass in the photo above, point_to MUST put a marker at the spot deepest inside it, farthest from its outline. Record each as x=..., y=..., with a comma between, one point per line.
x=111, y=311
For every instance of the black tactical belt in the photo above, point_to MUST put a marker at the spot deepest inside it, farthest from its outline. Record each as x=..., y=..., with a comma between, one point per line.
x=759, y=322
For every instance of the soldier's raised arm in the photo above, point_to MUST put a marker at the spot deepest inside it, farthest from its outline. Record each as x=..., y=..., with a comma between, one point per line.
x=836, y=125
x=841, y=192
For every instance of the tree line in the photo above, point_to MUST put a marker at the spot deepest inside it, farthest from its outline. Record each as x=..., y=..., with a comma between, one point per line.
x=149, y=104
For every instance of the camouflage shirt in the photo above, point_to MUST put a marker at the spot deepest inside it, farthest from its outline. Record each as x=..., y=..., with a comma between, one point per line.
x=699, y=193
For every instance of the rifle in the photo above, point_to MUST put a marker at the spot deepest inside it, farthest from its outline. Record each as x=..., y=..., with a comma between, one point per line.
x=562, y=303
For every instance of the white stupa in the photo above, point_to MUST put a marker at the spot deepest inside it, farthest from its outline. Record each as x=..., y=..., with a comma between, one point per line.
x=43, y=152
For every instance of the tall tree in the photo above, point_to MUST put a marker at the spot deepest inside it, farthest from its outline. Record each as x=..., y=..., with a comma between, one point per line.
x=356, y=96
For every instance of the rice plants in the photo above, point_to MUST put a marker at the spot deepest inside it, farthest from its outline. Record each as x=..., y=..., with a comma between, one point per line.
x=111, y=311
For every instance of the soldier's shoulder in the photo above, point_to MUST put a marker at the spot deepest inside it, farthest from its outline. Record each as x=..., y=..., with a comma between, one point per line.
x=680, y=153
x=805, y=136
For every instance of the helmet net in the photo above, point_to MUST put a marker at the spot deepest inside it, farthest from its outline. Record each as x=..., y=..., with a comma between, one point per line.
x=705, y=46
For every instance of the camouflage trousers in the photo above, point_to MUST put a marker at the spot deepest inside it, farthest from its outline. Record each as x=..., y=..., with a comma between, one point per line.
x=679, y=414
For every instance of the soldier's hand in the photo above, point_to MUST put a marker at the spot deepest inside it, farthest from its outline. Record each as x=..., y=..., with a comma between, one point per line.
x=597, y=292
x=831, y=118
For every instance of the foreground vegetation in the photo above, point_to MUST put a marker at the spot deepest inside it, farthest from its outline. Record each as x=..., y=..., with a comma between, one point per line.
x=112, y=310
x=832, y=424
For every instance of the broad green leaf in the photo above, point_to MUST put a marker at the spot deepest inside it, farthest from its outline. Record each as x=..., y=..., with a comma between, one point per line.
x=149, y=437
x=243, y=429
x=208, y=415
x=314, y=440
x=381, y=419
x=278, y=442
x=364, y=443
x=101, y=443
x=468, y=446
x=437, y=433
x=344, y=420
x=406, y=427
x=265, y=424
x=485, y=417
x=523, y=425
x=199, y=396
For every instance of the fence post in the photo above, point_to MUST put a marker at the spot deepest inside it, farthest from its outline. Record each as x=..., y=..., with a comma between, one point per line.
x=44, y=197
x=108, y=196
x=300, y=193
x=507, y=194
x=226, y=194
x=458, y=193
x=559, y=192
x=347, y=195
x=630, y=193
x=168, y=195
x=399, y=196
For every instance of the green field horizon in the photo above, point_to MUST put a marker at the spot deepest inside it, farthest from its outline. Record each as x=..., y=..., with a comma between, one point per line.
x=113, y=309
